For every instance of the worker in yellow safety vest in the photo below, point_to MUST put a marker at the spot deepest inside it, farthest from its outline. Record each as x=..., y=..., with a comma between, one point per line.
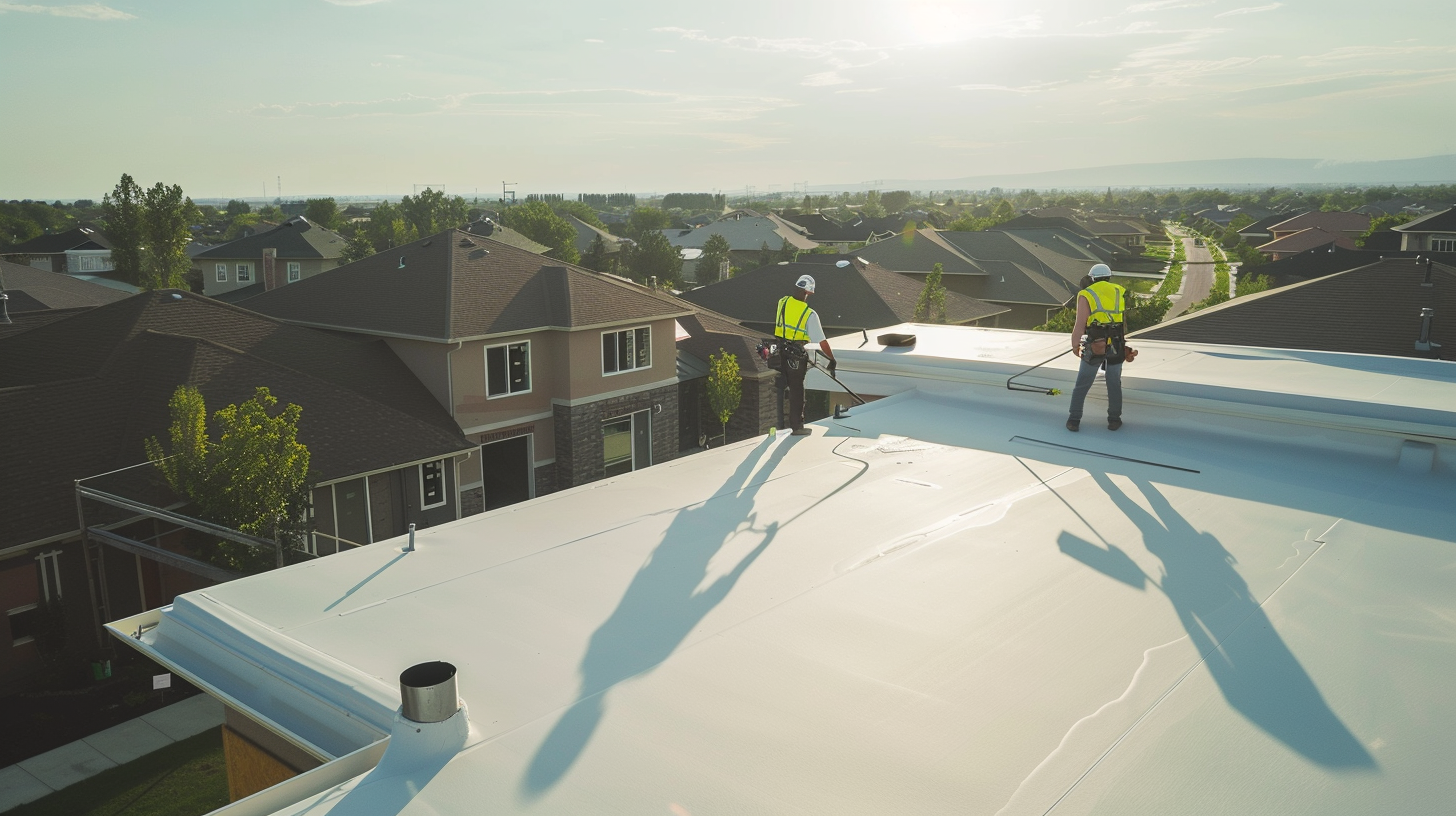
x=1097, y=337
x=796, y=324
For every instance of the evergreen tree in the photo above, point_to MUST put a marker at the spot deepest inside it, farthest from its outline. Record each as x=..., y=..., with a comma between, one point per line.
x=123, y=212
x=930, y=308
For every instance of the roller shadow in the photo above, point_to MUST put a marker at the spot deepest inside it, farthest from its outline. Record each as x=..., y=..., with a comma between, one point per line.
x=1254, y=669
x=661, y=606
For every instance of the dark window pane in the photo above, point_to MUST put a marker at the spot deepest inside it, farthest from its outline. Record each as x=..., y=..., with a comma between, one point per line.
x=432, y=479
x=609, y=353
x=495, y=371
x=624, y=351
x=644, y=347
x=617, y=446
x=24, y=624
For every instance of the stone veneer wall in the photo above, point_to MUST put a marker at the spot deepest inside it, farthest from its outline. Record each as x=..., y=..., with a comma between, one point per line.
x=472, y=501
x=579, y=432
x=546, y=479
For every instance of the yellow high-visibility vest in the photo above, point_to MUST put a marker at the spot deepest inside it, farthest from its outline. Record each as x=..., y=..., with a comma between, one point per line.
x=1105, y=301
x=793, y=317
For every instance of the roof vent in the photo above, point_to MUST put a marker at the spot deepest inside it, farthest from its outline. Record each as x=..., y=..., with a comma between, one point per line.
x=783, y=263
x=1423, y=342
x=428, y=692
x=4, y=310
x=841, y=264
x=401, y=262
x=427, y=242
x=466, y=242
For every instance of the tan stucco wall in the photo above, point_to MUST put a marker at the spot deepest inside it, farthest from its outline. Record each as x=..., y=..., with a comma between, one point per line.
x=427, y=362
x=211, y=286
x=473, y=408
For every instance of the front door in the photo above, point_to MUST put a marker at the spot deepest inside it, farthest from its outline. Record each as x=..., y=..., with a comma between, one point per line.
x=626, y=443
x=507, y=471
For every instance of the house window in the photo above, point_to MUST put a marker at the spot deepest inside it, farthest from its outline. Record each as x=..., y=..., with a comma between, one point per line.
x=50, y=575
x=617, y=446
x=295, y=271
x=245, y=273
x=432, y=484
x=24, y=623
x=508, y=369
x=222, y=273
x=628, y=350
x=94, y=263
x=1443, y=244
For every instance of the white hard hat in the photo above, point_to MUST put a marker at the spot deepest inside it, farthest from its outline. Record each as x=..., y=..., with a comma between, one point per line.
x=1101, y=271
x=805, y=282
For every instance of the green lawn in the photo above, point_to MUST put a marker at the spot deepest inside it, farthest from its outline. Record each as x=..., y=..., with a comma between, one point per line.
x=186, y=778
x=1143, y=285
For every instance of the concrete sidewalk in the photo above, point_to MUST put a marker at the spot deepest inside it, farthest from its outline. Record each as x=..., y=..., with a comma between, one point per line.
x=42, y=775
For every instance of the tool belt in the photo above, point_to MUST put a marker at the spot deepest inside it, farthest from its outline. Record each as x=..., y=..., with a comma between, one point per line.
x=1105, y=341
x=783, y=354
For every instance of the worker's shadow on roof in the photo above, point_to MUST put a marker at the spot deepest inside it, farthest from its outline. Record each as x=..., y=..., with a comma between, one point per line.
x=1254, y=669
x=664, y=603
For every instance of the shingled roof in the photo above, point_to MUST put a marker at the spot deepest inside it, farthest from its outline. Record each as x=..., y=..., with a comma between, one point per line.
x=294, y=238
x=1375, y=309
x=857, y=295
x=1443, y=221
x=32, y=289
x=455, y=286
x=78, y=238
x=1305, y=239
x=89, y=389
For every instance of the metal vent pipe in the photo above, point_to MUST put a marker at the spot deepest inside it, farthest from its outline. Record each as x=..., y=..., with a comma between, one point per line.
x=428, y=692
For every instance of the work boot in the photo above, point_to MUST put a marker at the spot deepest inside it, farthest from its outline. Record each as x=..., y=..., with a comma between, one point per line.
x=801, y=432
x=1113, y=423
x=1074, y=425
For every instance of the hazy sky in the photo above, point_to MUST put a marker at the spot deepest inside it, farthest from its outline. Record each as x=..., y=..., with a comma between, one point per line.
x=374, y=96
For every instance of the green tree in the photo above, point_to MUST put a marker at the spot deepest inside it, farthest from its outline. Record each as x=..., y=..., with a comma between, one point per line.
x=324, y=212
x=1252, y=284
x=873, y=206
x=236, y=208
x=1003, y=211
x=254, y=478
x=655, y=256
x=930, y=308
x=536, y=221
x=241, y=224
x=581, y=210
x=388, y=228
x=166, y=217
x=895, y=200
x=715, y=254
x=1381, y=224
x=358, y=248
x=431, y=211
x=766, y=255
x=725, y=387
x=644, y=220
x=123, y=213
x=271, y=213
x=596, y=255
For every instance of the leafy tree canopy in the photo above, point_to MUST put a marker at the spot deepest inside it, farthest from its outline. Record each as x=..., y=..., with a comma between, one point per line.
x=535, y=220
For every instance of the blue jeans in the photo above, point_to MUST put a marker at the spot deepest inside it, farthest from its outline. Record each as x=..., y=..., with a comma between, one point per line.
x=1085, y=375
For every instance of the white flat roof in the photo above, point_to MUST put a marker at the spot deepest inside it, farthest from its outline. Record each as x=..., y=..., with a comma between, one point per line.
x=945, y=603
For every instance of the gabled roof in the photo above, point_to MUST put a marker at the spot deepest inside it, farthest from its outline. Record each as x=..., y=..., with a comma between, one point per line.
x=857, y=295
x=295, y=239
x=586, y=235
x=453, y=286
x=826, y=230
x=1009, y=268
x=495, y=231
x=744, y=231
x=1328, y=221
x=31, y=289
x=78, y=238
x=709, y=331
x=1375, y=309
x=1036, y=222
x=1263, y=225
x=1316, y=263
x=1443, y=221
x=1309, y=238
x=89, y=389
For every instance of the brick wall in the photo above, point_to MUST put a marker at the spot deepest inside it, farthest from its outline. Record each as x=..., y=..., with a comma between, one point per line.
x=546, y=479
x=472, y=501
x=579, y=432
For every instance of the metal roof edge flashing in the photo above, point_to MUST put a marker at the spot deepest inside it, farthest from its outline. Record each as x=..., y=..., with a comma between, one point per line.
x=304, y=789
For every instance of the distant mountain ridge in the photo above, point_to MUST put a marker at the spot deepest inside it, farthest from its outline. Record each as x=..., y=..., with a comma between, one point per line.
x=1203, y=173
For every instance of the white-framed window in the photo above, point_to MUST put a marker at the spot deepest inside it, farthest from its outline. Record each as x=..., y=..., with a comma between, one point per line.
x=432, y=484
x=245, y=273
x=221, y=271
x=1443, y=244
x=295, y=271
x=508, y=369
x=50, y=575
x=95, y=263
x=626, y=350
x=24, y=623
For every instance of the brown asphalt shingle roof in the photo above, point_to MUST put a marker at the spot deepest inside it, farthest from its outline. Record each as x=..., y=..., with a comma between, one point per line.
x=89, y=389
x=453, y=285
x=1371, y=310
x=41, y=289
x=1308, y=239
x=1328, y=221
x=295, y=238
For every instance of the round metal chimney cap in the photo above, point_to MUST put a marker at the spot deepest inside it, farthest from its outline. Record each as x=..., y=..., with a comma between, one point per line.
x=428, y=692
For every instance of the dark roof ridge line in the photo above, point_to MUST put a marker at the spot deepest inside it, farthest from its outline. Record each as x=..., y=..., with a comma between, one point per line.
x=14, y=389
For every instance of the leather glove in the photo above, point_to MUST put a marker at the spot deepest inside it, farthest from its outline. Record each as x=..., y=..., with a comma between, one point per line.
x=832, y=365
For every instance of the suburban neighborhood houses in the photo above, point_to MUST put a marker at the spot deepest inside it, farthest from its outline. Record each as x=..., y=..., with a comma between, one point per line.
x=450, y=373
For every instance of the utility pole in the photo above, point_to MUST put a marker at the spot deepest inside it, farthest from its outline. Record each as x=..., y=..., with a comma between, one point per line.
x=506, y=192
x=280, y=189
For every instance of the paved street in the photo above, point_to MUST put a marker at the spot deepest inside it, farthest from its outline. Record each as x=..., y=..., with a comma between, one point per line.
x=1197, y=278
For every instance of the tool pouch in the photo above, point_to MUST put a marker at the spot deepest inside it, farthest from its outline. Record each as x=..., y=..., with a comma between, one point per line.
x=1098, y=347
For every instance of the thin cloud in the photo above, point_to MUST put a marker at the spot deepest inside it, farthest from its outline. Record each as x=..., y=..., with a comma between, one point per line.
x=1358, y=52
x=1035, y=87
x=83, y=11
x=354, y=2
x=1164, y=5
x=593, y=40
x=1249, y=10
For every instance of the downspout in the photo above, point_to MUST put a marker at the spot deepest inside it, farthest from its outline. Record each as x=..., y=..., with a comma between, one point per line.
x=450, y=393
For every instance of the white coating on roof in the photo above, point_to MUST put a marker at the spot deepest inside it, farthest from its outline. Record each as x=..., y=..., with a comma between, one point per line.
x=929, y=607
